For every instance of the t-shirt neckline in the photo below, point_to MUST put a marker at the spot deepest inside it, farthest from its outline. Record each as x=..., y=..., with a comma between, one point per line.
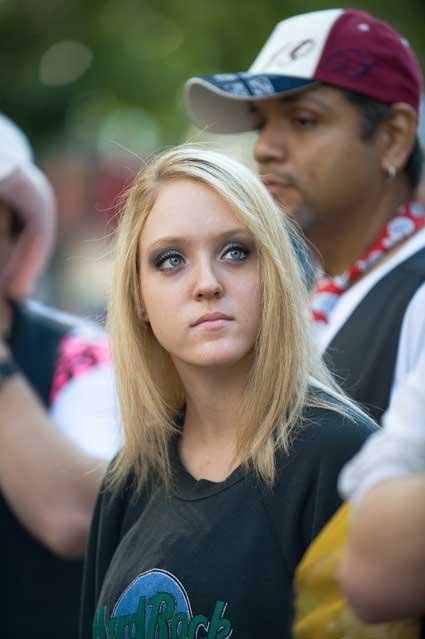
x=187, y=488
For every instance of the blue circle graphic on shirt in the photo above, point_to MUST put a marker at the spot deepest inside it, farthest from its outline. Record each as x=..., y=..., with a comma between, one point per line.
x=148, y=585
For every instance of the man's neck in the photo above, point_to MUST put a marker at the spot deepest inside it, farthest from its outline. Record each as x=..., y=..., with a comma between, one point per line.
x=343, y=239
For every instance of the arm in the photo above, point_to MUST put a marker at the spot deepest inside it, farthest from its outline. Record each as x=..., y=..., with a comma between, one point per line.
x=50, y=484
x=383, y=570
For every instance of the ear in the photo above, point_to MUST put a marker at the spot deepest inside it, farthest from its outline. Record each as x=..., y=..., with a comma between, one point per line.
x=399, y=133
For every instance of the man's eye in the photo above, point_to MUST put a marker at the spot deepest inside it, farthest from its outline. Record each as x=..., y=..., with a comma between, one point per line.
x=304, y=121
x=235, y=253
x=168, y=261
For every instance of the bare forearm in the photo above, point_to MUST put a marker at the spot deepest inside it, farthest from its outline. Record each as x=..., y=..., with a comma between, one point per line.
x=383, y=570
x=50, y=484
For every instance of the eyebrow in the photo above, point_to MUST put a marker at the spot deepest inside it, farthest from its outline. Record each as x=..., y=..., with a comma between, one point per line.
x=178, y=239
x=295, y=99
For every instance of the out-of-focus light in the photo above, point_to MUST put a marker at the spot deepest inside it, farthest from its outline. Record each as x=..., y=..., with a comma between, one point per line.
x=85, y=114
x=64, y=62
x=159, y=38
x=128, y=130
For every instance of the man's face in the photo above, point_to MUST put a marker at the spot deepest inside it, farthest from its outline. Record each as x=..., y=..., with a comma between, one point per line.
x=312, y=158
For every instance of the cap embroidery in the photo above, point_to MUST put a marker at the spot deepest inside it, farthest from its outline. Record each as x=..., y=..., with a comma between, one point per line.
x=353, y=63
x=289, y=52
x=302, y=49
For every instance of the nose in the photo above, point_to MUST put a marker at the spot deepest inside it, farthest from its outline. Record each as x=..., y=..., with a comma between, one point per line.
x=207, y=285
x=271, y=145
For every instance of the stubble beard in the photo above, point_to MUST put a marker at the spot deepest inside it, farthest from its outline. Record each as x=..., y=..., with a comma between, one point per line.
x=306, y=218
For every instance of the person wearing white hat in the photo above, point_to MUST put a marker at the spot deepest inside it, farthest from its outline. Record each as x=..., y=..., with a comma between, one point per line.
x=25, y=190
x=58, y=427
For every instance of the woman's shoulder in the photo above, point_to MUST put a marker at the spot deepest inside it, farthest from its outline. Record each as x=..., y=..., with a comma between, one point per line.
x=329, y=418
x=305, y=493
x=329, y=431
x=118, y=499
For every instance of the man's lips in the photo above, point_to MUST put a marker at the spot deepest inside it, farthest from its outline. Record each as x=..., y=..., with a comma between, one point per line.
x=270, y=180
x=212, y=319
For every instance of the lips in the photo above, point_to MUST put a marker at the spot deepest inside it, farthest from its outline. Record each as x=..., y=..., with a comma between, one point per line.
x=211, y=318
x=270, y=180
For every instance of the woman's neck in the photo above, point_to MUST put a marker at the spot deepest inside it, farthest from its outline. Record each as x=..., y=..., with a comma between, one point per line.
x=208, y=442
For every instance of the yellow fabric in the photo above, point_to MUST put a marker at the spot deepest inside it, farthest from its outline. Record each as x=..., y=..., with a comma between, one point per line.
x=321, y=611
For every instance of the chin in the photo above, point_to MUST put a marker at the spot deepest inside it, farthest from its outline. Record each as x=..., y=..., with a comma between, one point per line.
x=218, y=362
x=221, y=360
x=305, y=217
x=293, y=205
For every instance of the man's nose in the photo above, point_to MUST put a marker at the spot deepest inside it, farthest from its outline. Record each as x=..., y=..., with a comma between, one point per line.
x=271, y=145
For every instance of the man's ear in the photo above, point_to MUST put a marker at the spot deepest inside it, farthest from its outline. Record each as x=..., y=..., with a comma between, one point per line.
x=398, y=130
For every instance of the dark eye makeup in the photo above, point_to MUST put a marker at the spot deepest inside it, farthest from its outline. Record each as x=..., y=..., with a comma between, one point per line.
x=236, y=252
x=168, y=260
x=172, y=260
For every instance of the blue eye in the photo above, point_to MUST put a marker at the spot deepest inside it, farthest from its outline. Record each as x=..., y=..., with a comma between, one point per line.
x=168, y=261
x=235, y=253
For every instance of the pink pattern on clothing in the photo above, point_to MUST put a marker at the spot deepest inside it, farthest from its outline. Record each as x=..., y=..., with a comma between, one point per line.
x=75, y=358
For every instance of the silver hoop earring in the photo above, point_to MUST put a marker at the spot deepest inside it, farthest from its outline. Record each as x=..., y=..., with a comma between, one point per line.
x=391, y=171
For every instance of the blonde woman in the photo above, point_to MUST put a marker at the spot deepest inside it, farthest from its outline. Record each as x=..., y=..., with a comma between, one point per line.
x=234, y=433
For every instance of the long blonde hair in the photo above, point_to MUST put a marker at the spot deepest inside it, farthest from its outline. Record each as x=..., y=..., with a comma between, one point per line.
x=286, y=368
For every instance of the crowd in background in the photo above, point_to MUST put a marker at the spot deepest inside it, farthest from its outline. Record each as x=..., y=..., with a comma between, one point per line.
x=339, y=150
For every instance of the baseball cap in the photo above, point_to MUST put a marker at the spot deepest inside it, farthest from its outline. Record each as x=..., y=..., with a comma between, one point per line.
x=26, y=189
x=345, y=48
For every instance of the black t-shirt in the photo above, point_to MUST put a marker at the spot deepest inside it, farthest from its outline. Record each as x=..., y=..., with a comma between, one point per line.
x=214, y=560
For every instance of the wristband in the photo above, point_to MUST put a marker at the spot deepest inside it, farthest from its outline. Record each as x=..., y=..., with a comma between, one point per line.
x=8, y=368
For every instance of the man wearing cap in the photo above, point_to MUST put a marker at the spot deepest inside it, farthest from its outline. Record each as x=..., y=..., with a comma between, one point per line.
x=58, y=422
x=334, y=96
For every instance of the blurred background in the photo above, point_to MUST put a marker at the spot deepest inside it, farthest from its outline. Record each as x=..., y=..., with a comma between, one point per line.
x=97, y=85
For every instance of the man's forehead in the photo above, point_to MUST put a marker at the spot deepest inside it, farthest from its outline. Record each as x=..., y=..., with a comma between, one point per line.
x=320, y=96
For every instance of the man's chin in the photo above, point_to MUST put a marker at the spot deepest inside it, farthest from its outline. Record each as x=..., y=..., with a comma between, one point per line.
x=303, y=215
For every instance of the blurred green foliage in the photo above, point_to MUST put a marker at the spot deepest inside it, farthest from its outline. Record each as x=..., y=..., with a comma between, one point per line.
x=142, y=53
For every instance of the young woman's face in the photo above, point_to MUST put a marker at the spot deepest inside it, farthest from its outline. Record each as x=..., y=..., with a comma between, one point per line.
x=199, y=278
